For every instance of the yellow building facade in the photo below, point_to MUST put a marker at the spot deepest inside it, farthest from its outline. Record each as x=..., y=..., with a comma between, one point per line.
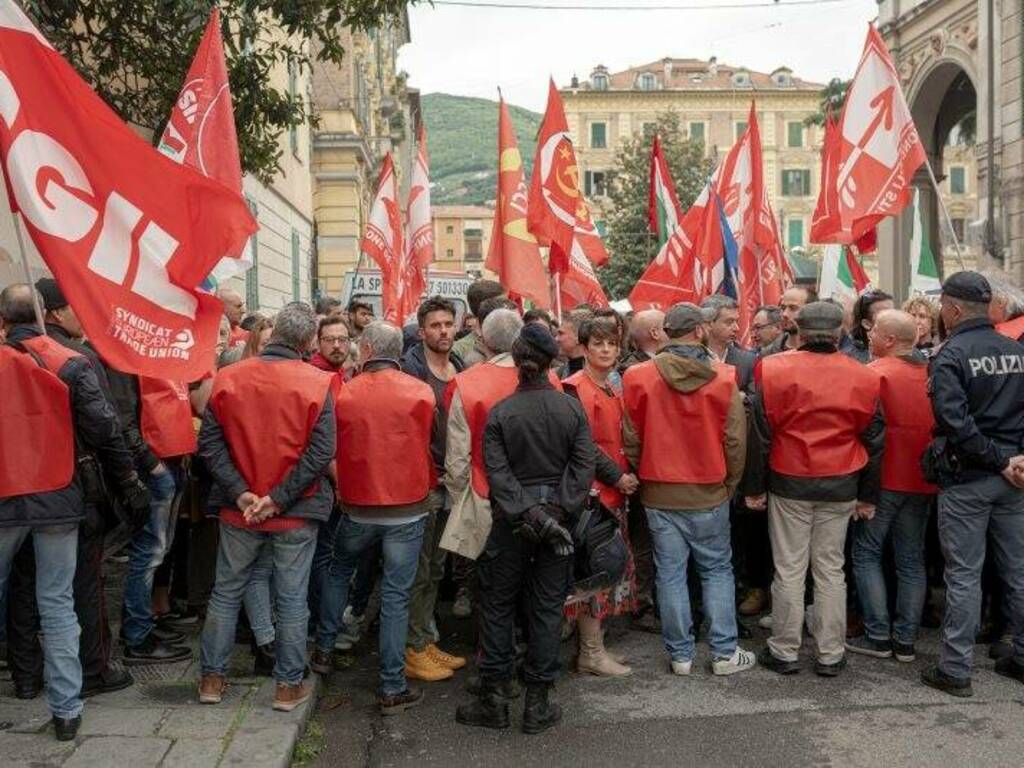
x=462, y=236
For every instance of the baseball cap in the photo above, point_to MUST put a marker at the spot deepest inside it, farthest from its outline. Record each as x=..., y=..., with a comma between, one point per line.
x=968, y=286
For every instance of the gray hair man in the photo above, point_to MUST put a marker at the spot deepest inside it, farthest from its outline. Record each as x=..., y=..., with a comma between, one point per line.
x=268, y=494
x=1006, y=310
x=815, y=446
x=722, y=320
x=766, y=326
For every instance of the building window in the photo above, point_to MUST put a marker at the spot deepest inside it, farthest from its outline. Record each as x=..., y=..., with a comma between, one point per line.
x=252, y=277
x=795, y=233
x=796, y=182
x=697, y=132
x=960, y=229
x=647, y=82
x=958, y=180
x=450, y=253
x=594, y=184
x=293, y=93
x=741, y=79
x=601, y=227
x=598, y=135
x=795, y=134
x=449, y=230
x=740, y=128
x=296, y=259
x=600, y=82
x=473, y=240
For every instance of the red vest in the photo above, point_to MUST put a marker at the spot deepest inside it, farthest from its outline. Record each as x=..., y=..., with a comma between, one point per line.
x=35, y=411
x=604, y=413
x=267, y=411
x=908, y=424
x=1012, y=328
x=166, y=419
x=385, y=419
x=817, y=406
x=238, y=336
x=681, y=434
x=480, y=389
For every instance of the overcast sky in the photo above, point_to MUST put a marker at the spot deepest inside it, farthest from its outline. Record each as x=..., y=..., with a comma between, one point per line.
x=471, y=51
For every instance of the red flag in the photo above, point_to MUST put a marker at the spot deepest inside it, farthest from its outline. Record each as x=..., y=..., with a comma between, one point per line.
x=826, y=224
x=663, y=209
x=126, y=232
x=876, y=152
x=556, y=209
x=383, y=240
x=513, y=254
x=579, y=284
x=201, y=129
x=419, y=251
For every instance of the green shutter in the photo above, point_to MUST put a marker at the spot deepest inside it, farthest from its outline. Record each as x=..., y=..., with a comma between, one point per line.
x=296, y=279
x=293, y=90
x=795, y=229
x=598, y=135
x=252, y=277
x=796, y=134
x=957, y=180
x=697, y=132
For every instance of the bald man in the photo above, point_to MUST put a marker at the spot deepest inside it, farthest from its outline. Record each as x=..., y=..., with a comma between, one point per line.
x=234, y=310
x=906, y=498
x=648, y=336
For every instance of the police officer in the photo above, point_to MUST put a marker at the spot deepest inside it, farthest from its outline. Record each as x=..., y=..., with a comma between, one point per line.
x=977, y=390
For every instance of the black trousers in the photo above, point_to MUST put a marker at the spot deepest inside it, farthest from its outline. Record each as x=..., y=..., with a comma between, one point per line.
x=510, y=568
x=25, y=655
x=752, y=546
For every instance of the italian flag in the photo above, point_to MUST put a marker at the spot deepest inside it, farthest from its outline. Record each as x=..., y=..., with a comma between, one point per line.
x=924, y=274
x=663, y=210
x=841, y=274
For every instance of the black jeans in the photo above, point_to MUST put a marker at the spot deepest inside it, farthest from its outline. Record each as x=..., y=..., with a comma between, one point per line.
x=507, y=568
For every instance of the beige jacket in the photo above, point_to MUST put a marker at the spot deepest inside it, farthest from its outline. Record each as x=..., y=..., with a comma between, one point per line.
x=469, y=523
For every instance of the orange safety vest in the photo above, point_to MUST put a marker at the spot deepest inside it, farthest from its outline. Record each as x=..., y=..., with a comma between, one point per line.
x=1012, y=328
x=817, y=406
x=481, y=388
x=267, y=411
x=908, y=424
x=166, y=417
x=385, y=419
x=681, y=434
x=604, y=414
x=37, y=440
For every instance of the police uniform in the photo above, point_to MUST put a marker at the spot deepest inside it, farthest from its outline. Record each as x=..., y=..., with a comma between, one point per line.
x=977, y=393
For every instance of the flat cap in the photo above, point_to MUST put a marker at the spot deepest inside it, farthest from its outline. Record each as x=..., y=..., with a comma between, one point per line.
x=820, y=316
x=53, y=296
x=968, y=286
x=539, y=337
x=683, y=317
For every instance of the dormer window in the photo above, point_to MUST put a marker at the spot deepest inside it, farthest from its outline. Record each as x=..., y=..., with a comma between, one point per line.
x=647, y=82
x=741, y=79
x=600, y=82
x=782, y=77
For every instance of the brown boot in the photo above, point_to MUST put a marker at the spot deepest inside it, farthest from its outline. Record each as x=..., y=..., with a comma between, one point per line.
x=211, y=688
x=593, y=658
x=447, y=660
x=288, y=697
x=755, y=601
x=618, y=658
x=421, y=665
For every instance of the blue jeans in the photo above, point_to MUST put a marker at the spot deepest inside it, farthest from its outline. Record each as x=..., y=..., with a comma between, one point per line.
x=237, y=557
x=145, y=553
x=968, y=513
x=321, y=565
x=257, y=598
x=401, y=548
x=906, y=515
x=704, y=535
x=56, y=551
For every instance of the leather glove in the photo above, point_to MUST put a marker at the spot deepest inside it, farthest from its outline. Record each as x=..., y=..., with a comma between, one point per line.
x=135, y=499
x=537, y=525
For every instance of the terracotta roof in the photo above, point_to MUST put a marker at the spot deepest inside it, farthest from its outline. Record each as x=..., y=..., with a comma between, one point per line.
x=697, y=75
x=461, y=211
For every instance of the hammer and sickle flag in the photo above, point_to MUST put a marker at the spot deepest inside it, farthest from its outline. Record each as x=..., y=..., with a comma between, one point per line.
x=557, y=209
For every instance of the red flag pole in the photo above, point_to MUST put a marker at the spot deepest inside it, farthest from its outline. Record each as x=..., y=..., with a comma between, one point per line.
x=945, y=213
x=28, y=274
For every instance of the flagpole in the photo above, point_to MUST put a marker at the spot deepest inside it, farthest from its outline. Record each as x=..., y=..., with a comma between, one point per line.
x=945, y=213
x=28, y=274
x=558, y=297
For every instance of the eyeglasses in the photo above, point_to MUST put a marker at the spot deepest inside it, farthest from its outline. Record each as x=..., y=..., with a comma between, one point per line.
x=762, y=326
x=334, y=339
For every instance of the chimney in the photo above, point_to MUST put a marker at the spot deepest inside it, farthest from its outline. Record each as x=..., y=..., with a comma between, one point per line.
x=713, y=66
x=667, y=70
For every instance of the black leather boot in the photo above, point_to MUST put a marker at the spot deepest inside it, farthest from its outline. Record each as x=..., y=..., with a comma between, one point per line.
x=66, y=728
x=539, y=714
x=488, y=711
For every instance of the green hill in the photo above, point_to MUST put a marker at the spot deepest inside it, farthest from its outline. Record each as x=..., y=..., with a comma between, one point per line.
x=463, y=136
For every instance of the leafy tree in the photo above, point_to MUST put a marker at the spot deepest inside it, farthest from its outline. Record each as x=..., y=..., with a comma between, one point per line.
x=833, y=96
x=631, y=244
x=136, y=55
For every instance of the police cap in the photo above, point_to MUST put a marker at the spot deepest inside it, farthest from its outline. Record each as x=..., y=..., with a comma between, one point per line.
x=968, y=286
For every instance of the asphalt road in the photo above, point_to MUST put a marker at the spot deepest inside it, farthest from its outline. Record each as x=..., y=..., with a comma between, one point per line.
x=876, y=714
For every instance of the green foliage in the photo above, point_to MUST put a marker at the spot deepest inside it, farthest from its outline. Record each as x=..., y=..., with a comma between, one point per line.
x=833, y=96
x=463, y=136
x=631, y=245
x=136, y=55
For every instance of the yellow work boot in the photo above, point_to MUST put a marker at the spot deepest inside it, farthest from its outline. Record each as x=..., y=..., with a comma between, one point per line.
x=420, y=665
x=446, y=660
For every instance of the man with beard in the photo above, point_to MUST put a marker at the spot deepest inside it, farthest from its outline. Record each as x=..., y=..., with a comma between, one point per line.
x=334, y=343
x=433, y=362
x=792, y=301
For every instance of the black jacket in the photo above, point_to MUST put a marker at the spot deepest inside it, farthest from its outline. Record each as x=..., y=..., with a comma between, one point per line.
x=854, y=349
x=862, y=485
x=414, y=362
x=124, y=393
x=228, y=483
x=743, y=361
x=537, y=445
x=96, y=430
x=976, y=385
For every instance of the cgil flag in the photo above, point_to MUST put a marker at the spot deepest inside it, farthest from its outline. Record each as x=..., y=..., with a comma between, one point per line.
x=419, y=250
x=126, y=232
x=513, y=254
x=579, y=284
x=842, y=275
x=663, y=210
x=383, y=241
x=924, y=273
x=200, y=131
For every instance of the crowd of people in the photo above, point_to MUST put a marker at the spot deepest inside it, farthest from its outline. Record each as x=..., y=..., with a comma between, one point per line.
x=857, y=473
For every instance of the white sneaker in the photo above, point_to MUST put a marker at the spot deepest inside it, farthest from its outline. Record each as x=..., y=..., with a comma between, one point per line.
x=765, y=622
x=682, y=668
x=351, y=630
x=738, y=662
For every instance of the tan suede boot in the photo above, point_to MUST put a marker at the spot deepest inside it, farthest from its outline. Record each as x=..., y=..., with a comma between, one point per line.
x=593, y=658
x=618, y=658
